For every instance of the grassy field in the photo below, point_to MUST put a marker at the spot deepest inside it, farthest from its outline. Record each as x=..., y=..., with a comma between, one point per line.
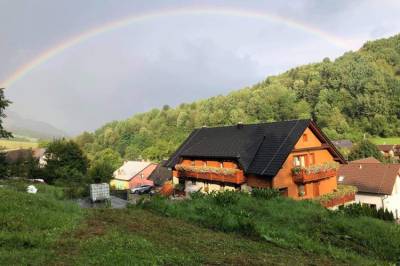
x=46, y=229
x=391, y=140
x=15, y=144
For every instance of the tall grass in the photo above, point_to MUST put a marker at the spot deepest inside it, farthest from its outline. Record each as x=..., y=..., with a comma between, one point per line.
x=289, y=224
x=31, y=223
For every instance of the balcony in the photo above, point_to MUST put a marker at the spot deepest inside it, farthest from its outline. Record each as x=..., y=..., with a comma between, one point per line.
x=224, y=175
x=342, y=195
x=314, y=172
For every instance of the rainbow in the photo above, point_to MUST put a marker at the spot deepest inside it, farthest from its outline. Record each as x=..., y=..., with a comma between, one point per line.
x=113, y=25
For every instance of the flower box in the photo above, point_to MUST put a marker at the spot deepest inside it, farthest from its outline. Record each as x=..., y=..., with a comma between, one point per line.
x=224, y=175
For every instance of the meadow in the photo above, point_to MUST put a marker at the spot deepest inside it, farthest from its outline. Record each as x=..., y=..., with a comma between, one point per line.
x=390, y=140
x=10, y=144
x=47, y=229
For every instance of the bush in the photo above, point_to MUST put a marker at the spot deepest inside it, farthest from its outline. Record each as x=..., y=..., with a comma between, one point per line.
x=357, y=209
x=265, y=193
x=225, y=198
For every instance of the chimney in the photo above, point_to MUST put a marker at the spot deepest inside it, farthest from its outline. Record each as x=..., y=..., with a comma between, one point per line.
x=360, y=166
x=239, y=125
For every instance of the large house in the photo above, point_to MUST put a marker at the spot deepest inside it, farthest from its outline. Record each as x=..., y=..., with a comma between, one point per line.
x=293, y=156
x=132, y=174
x=378, y=184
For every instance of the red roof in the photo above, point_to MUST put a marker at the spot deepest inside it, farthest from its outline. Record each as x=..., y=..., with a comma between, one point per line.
x=377, y=178
x=366, y=160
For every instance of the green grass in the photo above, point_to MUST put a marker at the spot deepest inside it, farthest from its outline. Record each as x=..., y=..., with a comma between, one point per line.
x=31, y=224
x=289, y=224
x=10, y=144
x=391, y=140
x=46, y=229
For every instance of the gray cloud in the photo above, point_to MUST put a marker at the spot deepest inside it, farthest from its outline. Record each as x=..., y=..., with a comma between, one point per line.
x=167, y=60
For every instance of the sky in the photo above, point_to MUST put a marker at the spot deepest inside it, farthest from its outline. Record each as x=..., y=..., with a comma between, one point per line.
x=178, y=51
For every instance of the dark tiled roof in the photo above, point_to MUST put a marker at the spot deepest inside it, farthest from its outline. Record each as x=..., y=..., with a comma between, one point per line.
x=386, y=147
x=161, y=174
x=374, y=178
x=343, y=143
x=259, y=148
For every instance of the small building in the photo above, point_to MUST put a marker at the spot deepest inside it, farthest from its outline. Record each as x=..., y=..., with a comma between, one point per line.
x=20, y=155
x=378, y=184
x=293, y=156
x=389, y=150
x=161, y=174
x=132, y=174
x=343, y=144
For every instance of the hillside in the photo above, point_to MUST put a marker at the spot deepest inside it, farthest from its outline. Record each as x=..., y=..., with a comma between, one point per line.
x=21, y=126
x=357, y=93
x=46, y=229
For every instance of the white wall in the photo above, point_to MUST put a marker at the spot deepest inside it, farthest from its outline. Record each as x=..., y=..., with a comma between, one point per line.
x=389, y=202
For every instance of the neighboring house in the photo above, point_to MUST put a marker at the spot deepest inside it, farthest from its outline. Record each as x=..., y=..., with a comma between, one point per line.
x=389, y=150
x=15, y=155
x=293, y=156
x=378, y=184
x=132, y=174
x=161, y=174
x=343, y=144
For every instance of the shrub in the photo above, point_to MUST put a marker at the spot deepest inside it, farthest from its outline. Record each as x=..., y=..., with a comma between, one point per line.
x=265, y=193
x=357, y=209
x=225, y=198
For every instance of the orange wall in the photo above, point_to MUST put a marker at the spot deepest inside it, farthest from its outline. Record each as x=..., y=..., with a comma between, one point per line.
x=284, y=177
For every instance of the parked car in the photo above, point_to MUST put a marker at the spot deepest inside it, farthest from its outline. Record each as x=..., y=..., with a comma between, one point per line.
x=145, y=189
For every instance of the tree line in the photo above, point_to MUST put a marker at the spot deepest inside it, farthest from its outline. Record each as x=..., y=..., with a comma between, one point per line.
x=354, y=96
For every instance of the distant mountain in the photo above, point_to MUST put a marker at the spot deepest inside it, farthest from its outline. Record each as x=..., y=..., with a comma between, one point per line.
x=21, y=126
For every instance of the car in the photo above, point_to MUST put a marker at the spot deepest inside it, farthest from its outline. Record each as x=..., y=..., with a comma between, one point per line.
x=142, y=189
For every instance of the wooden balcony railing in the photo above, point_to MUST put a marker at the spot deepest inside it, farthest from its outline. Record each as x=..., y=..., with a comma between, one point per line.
x=234, y=176
x=341, y=195
x=303, y=176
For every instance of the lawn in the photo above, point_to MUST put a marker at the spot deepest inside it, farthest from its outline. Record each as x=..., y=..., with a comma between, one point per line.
x=46, y=229
x=9, y=144
x=391, y=140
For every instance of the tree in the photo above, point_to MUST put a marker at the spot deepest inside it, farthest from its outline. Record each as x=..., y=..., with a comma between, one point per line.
x=4, y=103
x=365, y=149
x=104, y=164
x=65, y=162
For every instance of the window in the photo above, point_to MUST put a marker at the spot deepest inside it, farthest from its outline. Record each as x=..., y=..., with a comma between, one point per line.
x=221, y=165
x=205, y=163
x=284, y=191
x=192, y=163
x=193, y=182
x=300, y=160
x=341, y=178
x=312, y=158
x=305, y=138
x=301, y=190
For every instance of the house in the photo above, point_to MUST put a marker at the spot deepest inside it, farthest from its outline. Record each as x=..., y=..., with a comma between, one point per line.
x=132, y=174
x=343, y=144
x=161, y=174
x=389, y=150
x=378, y=184
x=19, y=155
x=293, y=156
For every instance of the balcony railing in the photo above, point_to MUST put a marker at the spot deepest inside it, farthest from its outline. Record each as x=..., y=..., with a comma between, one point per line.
x=304, y=177
x=314, y=172
x=225, y=175
x=342, y=195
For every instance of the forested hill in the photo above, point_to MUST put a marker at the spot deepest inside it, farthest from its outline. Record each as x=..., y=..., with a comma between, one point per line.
x=357, y=93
